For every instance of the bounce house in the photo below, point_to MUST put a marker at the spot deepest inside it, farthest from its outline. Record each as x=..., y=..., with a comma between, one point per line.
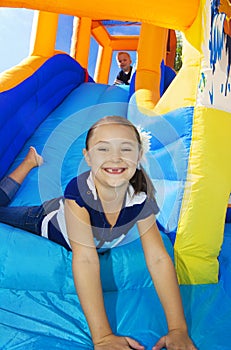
x=49, y=100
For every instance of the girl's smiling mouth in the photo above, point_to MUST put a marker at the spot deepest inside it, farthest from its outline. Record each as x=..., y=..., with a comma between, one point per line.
x=114, y=170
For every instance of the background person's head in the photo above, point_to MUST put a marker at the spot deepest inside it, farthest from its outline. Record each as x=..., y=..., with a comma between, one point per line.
x=124, y=61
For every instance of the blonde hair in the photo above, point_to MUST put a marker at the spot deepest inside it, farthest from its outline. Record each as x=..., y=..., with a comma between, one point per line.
x=123, y=53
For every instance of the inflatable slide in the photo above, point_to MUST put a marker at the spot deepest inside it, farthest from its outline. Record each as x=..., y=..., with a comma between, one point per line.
x=49, y=102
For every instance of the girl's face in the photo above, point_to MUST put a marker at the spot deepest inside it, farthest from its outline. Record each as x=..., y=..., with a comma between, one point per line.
x=113, y=155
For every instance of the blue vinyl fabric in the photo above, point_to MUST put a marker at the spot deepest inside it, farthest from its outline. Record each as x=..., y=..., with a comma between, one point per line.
x=167, y=160
x=39, y=308
x=166, y=77
x=25, y=106
x=228, y=215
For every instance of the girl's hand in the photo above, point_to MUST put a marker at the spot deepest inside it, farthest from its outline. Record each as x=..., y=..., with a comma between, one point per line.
x=175, y=340
x=114, y=342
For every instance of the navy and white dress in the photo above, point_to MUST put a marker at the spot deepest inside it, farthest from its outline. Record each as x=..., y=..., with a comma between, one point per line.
x=82, y=190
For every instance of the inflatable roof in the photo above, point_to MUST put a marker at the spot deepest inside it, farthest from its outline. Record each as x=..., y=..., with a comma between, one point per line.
x=182, y=14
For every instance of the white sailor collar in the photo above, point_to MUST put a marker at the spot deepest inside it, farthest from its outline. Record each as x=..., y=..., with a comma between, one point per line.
x=131, y=197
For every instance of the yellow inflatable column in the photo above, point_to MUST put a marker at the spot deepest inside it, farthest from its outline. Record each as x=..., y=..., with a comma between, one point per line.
x=43, y=36
x=103, y=64
x=104, y=58
x=81, y=40
x=201, y=225
x=202, y=217
x=183, y=90
x=151, y=51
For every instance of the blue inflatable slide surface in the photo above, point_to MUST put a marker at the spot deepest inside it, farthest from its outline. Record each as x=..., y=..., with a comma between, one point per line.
x=39, y=308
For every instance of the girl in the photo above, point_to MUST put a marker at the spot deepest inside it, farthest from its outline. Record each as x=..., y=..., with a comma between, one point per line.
x=99, y=207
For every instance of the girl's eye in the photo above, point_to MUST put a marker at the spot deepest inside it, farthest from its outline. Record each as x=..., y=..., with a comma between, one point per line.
x=103, y=149
x=126, y=149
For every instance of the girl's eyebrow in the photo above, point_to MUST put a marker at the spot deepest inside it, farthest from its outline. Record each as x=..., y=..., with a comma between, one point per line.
x=102, y=142
x=123, y=143
x=128, y=142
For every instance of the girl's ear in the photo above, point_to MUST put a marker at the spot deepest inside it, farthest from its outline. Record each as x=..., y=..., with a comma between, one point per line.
x=86, y=156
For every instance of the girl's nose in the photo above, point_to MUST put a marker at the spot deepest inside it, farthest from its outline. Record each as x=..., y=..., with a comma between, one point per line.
x=115, y=157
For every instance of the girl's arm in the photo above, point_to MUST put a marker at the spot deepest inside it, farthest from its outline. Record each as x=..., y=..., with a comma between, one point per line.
x=86, y=269
x=86, y=273
x=164, y=278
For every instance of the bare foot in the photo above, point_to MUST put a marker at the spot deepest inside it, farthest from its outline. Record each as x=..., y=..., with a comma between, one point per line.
x=33, y=158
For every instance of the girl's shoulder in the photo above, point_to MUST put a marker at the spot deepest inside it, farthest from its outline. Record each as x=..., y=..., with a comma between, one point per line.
x=76, y=188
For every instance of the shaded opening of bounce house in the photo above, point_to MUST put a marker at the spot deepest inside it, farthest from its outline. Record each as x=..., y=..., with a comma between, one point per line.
x=121, y=36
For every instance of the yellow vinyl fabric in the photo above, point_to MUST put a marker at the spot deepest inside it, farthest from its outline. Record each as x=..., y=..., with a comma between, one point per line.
x=201, y=225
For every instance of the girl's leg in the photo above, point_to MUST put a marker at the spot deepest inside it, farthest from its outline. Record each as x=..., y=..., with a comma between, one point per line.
x=32, y=160
x=24, y=217
x=10, y=184
x=8, y=188
x=28, y=218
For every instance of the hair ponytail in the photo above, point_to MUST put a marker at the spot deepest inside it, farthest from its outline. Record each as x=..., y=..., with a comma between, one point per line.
x=141, y=182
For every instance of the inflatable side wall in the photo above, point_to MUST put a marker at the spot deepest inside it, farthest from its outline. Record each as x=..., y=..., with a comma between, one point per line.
x=26, y=105
x=203, y=83
x=202, y=219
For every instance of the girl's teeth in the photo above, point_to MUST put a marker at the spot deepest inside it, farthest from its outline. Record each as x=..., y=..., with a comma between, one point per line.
x=114, y=170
